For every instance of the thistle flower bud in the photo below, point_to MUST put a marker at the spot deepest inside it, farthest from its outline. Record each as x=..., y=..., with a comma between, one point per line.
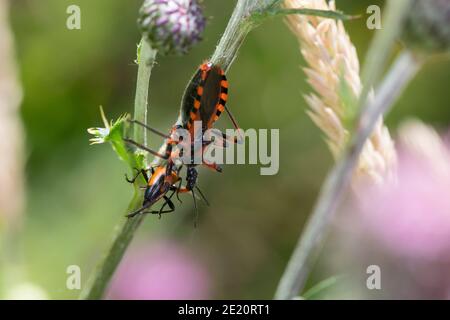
x=171, y=26
x=428, y=26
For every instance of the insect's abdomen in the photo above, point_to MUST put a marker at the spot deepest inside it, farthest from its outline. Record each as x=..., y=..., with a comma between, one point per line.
x=205, y=97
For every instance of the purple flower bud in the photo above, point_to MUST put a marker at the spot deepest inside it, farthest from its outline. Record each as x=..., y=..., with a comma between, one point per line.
x=171, y=26
x=428, y=26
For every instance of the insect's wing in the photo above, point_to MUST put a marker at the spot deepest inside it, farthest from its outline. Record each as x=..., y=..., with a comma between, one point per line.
x=205, y=97
x=211, y=96
x=189, y=97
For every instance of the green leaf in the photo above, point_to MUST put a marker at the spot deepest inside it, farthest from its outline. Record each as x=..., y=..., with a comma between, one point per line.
x=321, y=286
x=114, y=132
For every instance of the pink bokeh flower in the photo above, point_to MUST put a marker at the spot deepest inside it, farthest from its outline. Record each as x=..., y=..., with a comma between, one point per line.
x=160, y=270
x=411, y=216
x=403, y=225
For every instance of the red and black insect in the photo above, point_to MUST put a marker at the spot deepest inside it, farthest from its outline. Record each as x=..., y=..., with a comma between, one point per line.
x=163, y=179
x=204, y=100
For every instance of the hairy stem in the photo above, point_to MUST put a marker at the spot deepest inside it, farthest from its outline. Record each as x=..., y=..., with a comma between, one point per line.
x=339, y=179
x=146, y=58
x=237, y=29
x=382, y=44
x=98, y=283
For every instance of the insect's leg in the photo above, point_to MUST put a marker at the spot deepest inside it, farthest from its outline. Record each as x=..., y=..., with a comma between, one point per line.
x=177, y=189
x=186, y=190
x=214, y=166
x=202, y=195
x=138, y=211
x=238, y=139
x=132, y=180
x=144, y=174
x=223, y=140
x=195, y=208
x=232, y=118
x=159, y=133
x=169, y=203
x=168, y=200
x=211, y=165
x=140, y=146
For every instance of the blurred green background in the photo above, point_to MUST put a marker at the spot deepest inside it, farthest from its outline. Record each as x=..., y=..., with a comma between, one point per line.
x=77, y=193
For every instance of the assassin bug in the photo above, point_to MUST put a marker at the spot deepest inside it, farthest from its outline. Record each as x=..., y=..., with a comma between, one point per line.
x=162, y=180
x=159, y=184
x=204, y=101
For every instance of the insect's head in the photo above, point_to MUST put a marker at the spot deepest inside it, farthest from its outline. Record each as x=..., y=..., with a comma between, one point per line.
x=206, y=66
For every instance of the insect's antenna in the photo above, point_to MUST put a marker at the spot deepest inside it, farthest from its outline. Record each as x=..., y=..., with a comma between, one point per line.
x=202, y=195
x=138, y=211
x=178, y=189
x=196, y=209
x=159, y=133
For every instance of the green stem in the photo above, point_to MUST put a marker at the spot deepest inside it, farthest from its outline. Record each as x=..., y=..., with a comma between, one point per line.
x=98, y=283
x=381, y=47
x=246, y=16
x=237, y=29
x=339, y=179
x=146, y=58
x=336, y=15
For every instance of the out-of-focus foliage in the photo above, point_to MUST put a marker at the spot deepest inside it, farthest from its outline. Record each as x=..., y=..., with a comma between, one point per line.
x=77, y=192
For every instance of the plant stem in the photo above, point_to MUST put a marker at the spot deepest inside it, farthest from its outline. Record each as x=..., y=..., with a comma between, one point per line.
x=313, y=12
x=146, y=59
x=98, y=283
x=339, y=179
x=381, y=47
x=237, y=29
x=247, y=15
